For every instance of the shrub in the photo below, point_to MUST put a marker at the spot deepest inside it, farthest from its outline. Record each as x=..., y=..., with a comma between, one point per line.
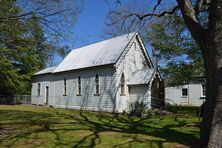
x=137, y=108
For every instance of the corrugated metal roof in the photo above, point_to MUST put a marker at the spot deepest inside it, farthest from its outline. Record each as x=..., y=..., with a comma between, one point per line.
x=101, y=53
x=46, y=70
x=142, y=77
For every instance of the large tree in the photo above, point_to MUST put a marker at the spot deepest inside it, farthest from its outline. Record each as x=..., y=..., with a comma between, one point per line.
x=19, y=56
x=204, y=21
x=29, y=32
x=176, y=53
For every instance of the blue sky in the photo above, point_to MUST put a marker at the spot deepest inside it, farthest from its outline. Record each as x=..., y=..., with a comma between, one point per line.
x=90, y=23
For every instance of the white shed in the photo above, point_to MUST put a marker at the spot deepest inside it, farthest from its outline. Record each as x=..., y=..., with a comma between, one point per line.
x=186, y=95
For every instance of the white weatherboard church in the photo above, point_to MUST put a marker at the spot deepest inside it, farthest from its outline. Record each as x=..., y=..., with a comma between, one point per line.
x=104, y=76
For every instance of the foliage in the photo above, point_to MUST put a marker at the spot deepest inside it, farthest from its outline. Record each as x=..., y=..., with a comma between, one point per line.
x=137, y=108
x=179, y=56
x=47, y=127
x=15, y=46
x=24, y=48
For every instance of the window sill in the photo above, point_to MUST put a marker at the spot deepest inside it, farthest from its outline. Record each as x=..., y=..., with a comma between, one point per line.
x=96, y=94
x=122, y=94
x=78, y=95
x=184, y=96
x=202, y=97
x=64, y=95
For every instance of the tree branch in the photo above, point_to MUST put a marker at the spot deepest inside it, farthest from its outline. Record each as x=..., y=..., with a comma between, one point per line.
x=155, y=7
x=156, y=15
x=199, y=5
x=191, y=20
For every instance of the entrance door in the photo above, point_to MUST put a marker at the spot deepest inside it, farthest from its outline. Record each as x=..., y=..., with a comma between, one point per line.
x=47, y=95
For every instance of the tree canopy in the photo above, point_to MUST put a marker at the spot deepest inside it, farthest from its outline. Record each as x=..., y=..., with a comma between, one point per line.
x=25, y=45
x=179, y=57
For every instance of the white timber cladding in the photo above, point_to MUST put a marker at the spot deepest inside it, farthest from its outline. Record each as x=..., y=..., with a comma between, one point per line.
x=108, y=59
x=193, y=98
x=87, y=100
x=44, y=81
x=138, y=93
x=131, y=62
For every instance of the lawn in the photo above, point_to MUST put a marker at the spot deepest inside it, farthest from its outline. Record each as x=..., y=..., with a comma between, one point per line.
x=29, y=126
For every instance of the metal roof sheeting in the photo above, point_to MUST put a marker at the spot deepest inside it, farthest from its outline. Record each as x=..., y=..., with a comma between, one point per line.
x=142, y=77
x=101, y=53
x=46, y=70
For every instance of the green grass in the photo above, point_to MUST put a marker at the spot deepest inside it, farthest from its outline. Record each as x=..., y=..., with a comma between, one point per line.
x=28, y=126
x=191, y=110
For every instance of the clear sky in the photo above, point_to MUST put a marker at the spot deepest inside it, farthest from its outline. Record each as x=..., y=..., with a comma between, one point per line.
x=90, y=25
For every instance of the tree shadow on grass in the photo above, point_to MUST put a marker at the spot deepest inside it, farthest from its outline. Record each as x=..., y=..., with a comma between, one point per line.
x=128, y=125
x=95, y=123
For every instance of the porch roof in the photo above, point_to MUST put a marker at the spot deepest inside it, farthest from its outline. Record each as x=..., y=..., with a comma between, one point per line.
x=141, y=77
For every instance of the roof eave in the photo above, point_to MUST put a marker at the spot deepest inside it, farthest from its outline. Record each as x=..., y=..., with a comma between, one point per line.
x=84, y=68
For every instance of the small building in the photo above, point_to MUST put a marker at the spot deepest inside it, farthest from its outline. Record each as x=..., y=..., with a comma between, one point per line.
x=186, y=95
x=104, y=76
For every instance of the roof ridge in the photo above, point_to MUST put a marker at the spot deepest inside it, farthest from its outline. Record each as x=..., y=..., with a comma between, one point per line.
x=104, y=52
x=104, y=40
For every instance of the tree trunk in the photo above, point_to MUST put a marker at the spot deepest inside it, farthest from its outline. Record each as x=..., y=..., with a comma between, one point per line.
x=211, y=129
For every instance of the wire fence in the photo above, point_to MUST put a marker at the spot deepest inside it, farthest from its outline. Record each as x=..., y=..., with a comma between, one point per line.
x=156, y=103
x=17, y=99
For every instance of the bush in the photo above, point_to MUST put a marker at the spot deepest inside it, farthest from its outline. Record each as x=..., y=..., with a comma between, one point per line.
x=137, y=108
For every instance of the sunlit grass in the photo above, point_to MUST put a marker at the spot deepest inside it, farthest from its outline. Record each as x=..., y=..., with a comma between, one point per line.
x=29, y=126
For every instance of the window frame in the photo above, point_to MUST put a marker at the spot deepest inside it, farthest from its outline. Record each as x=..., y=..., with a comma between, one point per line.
x=97, y=86
x=64, y=87
x=39, y=89
x=79, y=86
x=183, y=92
x=122, y=85
x=203, y=90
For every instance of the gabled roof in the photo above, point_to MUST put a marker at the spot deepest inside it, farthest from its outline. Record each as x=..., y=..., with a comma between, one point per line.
x=106, y=52
x=46, y=70
x=142, y=77
x=97, y=54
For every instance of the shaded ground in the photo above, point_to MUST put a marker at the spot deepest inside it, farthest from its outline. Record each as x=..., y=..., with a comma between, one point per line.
x=27, y=126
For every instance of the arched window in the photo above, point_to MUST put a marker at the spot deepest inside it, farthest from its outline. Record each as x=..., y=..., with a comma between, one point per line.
x=64, y=92
x=122, y=84
x=97, y=84
x=79, y=86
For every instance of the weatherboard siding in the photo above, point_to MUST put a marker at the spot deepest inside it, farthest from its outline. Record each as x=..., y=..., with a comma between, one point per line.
x=131, y=62
x=44, y=80
x=174, y=95
x=139, y=93
x=88, y=99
